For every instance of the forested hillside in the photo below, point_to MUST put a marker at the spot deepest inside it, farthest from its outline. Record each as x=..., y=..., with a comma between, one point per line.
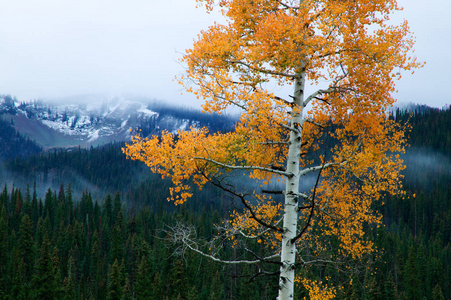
x=63, y=244
x=13, y=144
x=431, y=127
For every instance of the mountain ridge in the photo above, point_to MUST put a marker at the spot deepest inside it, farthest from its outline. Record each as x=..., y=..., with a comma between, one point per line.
x=100, y=121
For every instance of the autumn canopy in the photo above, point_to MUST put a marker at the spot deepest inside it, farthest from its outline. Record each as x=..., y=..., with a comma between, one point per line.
x=349, y=56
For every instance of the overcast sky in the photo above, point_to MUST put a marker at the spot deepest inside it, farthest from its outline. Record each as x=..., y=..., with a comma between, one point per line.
x=60, y=48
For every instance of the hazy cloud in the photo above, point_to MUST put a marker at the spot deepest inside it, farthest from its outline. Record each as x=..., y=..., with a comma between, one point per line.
x=53, y=48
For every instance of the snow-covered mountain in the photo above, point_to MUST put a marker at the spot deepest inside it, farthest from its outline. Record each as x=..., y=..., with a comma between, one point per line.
x=96, y=120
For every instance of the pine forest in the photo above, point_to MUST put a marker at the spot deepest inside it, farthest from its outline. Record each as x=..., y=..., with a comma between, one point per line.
x=113, y=241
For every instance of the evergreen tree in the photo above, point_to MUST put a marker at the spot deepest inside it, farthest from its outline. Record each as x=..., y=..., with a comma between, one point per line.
x=27, y=201
x=69, y=284
x=4, y=198
x=390, y=288
x=108, y=210
x=117, y=246
x=193, y=294
x=178, y=280
x=143, y=280
x=34, y=207
x=26, y=245
x=20, y=289
x=216, y=287
x=437, y=293
x=127, y=291
x=157, y=287
x=115, y=282
x=57, y=273
x=69, y=203
x=3, y=241
x=411, y=276
x=116, y=206
x=44, y=278
x=373, y=289
x=50, y=206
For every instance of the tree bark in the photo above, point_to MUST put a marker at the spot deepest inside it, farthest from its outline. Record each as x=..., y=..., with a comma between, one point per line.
x=290, y=219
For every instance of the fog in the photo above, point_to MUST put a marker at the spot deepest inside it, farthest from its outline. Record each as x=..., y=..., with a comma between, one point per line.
x=424, y=166
x=54, y=49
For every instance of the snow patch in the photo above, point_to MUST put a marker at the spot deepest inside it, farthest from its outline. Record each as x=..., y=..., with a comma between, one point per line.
x=93, y=135
x=144, y=110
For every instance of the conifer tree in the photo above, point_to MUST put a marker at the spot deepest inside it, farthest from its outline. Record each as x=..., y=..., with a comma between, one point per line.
x=117, y=205
x=115, y=282
x=157, y=286
x=143, y=280
x=3, y=240
x=44, y=285
x=117, y=246
x=50, y=206
x=69, y=283
x=390, y=291
x=373, y=291
x=26, y=245
x=126, y=290
x=411, y=276
x=108, y=210
x=34, y=207
x=4, y=198
x=69, y=203
x=437, y=293
x=178, y=280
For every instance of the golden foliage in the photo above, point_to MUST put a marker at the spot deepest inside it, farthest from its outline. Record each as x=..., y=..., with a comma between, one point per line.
x=318, y=290
x=347, y=48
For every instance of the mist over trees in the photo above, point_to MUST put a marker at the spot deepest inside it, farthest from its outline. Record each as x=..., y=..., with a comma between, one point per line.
x=107, y=245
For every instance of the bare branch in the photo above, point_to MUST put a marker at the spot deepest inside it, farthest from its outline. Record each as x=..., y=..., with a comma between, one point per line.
x=233, y=167
x=264, y=71
x=244, y=202
x=286, y=6
x=289, y=103
x=316, y=94
x=314, y=123
x=275, y=143
x=338, y=52
x=324, y=166
x=333, y=89
x=258, y=234
x=264, y=273
x=325, y=261
x=273, y=192
x=184, y=234
x=263, y=259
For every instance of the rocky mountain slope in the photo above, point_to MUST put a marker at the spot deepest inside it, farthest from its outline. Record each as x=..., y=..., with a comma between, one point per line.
x=93, y=121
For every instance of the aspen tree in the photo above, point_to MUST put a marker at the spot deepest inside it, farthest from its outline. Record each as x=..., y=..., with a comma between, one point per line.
x=348, y=53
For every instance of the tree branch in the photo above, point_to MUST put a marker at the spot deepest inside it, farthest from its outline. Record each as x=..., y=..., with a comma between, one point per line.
x=182, y=234
x=259, y=234
x=252, y=168
x=244, y=202
x=263, y=259
x=264, y=71
x=314, y=123
x=317, y=168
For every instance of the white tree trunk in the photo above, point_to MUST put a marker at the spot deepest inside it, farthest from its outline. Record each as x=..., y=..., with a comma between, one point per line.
x=290, y=218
